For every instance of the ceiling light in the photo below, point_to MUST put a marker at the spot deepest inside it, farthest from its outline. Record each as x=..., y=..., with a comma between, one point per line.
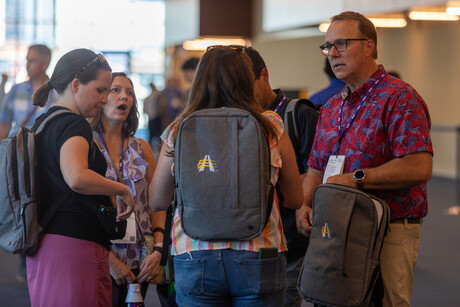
x=204, y=42
x=395, y=22
x=453, y=10
x=389, y=22
x=324, y=26
x=427, y=15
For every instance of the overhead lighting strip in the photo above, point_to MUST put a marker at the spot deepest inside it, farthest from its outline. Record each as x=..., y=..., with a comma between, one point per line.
x=427, y=15
x=378, y=22
x=453, y=10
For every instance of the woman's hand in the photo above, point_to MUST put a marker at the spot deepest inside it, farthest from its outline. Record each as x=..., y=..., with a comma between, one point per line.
x=150, y=268
x=125, y=205
x=120, y=271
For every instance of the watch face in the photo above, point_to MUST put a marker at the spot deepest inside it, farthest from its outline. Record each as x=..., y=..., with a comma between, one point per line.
x=359, y=175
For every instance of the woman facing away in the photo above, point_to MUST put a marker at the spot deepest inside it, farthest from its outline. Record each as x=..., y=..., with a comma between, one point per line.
x=71, y=267
x=131, y=159
x=225, y=273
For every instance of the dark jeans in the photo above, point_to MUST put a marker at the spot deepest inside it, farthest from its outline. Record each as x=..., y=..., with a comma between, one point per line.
x=166, y=296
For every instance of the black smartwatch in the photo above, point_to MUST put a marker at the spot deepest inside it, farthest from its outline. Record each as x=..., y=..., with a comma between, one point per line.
x=359, y=176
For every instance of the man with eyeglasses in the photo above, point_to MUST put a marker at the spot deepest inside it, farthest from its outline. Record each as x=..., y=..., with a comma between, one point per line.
x=305, y=117
x=377, y=130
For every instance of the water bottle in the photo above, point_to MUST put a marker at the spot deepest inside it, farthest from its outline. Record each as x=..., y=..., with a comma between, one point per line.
x=134, y=296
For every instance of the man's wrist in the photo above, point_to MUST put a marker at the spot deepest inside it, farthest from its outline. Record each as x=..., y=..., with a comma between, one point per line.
x=359, y=176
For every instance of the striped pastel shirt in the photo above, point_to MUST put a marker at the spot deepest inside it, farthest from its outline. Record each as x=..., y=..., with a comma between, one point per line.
x=272, y=235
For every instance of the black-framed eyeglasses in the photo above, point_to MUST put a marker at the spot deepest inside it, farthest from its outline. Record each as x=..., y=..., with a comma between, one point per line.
x=237, y=48
x=340, y=45
x=99, y=58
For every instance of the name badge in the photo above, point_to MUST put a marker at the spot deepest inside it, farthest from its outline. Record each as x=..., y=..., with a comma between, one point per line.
x=130, y=236
x=334, y=167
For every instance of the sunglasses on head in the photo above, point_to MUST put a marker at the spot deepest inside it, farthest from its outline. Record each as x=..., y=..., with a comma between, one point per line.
x=237, y=48
x=99, y=58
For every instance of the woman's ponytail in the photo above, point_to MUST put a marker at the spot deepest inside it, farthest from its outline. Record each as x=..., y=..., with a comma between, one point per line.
x=40, y=96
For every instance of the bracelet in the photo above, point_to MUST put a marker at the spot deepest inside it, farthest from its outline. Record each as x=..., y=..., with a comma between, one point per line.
x=160, y=244
x=158, y=249
x=159, y=229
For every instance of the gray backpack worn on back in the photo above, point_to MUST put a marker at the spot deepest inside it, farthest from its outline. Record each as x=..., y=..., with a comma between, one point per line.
x=292, y=127
x=19, y=226
x=341, y=265
x=222, y=175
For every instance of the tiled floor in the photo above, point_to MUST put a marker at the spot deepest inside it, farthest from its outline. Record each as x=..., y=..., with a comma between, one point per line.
x=437, y=274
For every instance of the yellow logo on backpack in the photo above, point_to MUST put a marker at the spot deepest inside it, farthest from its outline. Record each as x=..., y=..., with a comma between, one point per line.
x=325, y=233
x=206, y=162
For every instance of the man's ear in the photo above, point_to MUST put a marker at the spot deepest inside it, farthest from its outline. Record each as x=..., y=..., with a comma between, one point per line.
x=75, y=85
x=264, y=74
x=370, y=47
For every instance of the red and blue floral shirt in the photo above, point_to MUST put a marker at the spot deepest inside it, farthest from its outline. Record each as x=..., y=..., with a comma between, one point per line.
x=393, y=122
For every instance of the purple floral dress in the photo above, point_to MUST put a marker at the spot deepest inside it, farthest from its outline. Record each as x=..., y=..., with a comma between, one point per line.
x=135, y=177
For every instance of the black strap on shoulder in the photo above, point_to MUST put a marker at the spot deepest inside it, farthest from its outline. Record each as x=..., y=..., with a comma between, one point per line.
x=290, y=124
x=167, y=232
x=52, y=210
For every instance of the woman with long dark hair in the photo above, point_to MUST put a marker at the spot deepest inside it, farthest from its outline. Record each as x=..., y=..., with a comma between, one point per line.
x=224, y=273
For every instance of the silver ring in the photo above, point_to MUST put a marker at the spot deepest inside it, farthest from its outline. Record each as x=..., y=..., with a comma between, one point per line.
x=148, y=279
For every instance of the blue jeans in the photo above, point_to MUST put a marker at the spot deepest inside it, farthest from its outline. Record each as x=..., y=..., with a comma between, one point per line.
x=229, y=278
x=293, y=298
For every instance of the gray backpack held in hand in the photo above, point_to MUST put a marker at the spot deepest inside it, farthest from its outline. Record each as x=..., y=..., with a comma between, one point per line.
x=222, y=175
x=19, y=225
x=341, y=265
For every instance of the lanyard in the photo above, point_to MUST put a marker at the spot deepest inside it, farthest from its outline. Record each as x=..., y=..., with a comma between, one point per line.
x=121, y=155
x=353, y=116
x=280, y=104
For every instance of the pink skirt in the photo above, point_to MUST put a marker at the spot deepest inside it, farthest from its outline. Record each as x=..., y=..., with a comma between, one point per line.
x=69, y=272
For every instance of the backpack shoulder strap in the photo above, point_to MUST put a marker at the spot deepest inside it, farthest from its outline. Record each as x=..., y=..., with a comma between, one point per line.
x=290, y=122
x=309, y=103
x=50, y=117
x=290, y=125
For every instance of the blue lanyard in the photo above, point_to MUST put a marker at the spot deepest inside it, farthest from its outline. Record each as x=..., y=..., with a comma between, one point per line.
x=353, y=116
x=121, y=155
